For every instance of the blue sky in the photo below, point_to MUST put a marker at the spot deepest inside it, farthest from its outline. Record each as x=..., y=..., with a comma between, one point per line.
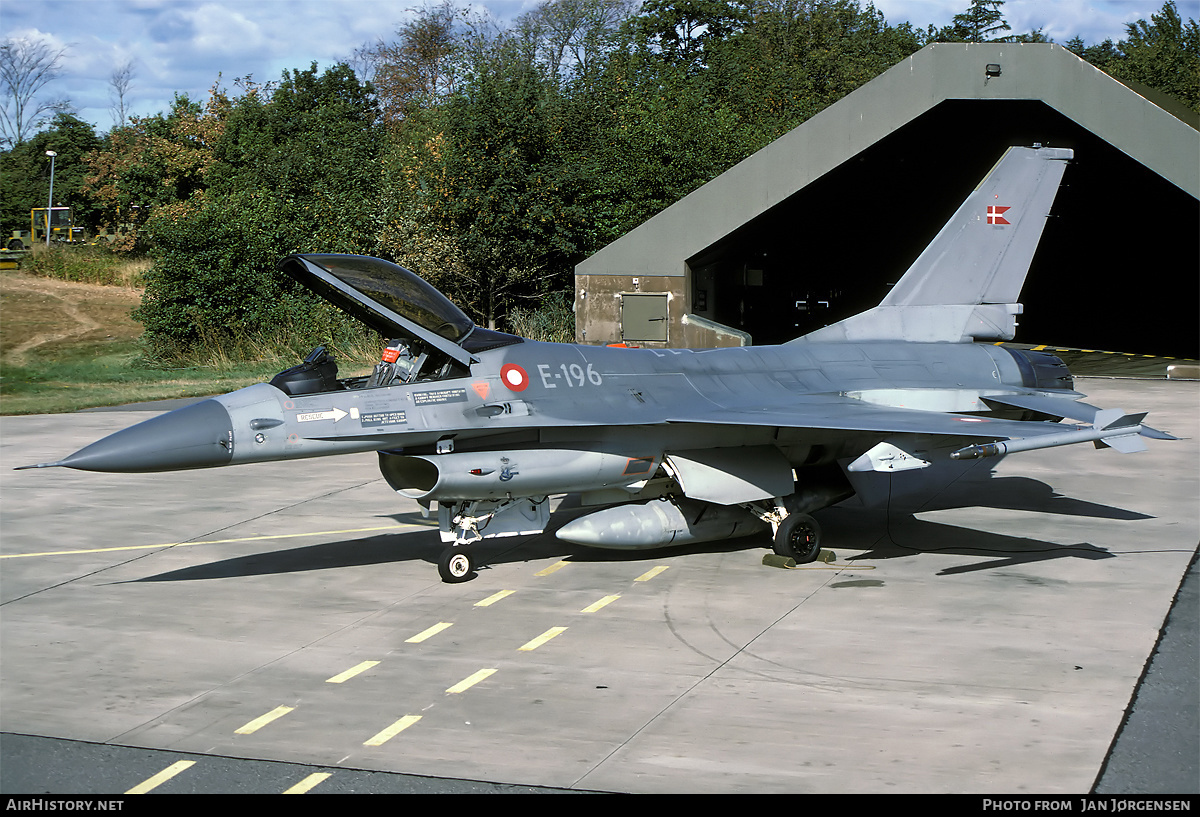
x=183, y=45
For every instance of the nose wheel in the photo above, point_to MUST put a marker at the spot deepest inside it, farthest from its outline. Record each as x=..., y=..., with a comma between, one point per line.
x=456, y=565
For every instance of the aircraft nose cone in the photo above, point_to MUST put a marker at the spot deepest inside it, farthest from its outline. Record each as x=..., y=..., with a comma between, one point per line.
x=195, y=436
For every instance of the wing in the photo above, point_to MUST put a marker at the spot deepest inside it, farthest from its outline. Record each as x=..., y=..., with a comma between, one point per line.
x=1109, y=428
x=835, y=413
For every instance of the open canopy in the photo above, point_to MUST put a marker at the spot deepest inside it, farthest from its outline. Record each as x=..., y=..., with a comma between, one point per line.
x=377, y=291
x=390, y=299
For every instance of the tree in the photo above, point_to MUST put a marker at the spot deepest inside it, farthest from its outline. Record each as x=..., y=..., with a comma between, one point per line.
x=292, y=170
x=119, y=83
x=978, y=24
x=684, y=30
x=1163, y=54
x=572, y=36
x=25, y=173
x=497, y=173
x=798, y=56
x=1102, y=56
x=419, y=67
x=27, y=67
x=155, y=164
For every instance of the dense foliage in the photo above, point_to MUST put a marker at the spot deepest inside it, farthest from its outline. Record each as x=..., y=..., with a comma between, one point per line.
x=490, y=161
x=292, y=168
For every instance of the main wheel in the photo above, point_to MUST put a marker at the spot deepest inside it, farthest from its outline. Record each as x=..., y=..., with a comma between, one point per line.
x=799, y=536
x=455, y=565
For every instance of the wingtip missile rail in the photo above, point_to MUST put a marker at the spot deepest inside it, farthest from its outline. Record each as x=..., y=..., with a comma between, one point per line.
x=1113, y=429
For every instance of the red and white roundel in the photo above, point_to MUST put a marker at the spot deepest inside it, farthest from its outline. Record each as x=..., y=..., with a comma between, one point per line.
x=514, y=377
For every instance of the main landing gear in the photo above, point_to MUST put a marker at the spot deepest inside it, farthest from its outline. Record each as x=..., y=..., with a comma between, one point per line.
x=798, y=536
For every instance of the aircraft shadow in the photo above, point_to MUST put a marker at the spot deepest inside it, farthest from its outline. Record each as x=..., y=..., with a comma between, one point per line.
x=891, y=529
x=878, y=532
x=881, y=535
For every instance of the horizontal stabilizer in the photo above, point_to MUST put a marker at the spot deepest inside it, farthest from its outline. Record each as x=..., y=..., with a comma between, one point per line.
x=1062, y=405
x=1115, y=418
x=1125, y=443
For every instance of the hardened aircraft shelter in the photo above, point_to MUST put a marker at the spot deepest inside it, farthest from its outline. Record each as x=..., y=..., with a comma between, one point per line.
x=817, y=225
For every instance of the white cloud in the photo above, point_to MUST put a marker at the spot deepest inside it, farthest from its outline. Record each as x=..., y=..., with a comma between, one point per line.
x=220, y=29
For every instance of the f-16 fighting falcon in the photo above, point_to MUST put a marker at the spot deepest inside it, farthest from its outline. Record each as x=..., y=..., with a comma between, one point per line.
x=684, y=445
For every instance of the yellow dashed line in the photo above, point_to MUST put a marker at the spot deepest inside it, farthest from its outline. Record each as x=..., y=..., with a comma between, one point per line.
x=162, y=777
x=306, y=785
x=556, y=566
x=530, y=646
x=470, y=681
x=650, y=574
x=393, y=730
x=350, y=673
x=429, y=633
x=495, y=597
x=261, y=721
x=604, y=602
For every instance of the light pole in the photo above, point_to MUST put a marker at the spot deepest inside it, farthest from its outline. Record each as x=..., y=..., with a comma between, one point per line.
x=50, y=204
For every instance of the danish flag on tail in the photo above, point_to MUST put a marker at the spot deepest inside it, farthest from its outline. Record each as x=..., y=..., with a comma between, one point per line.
x=995, y=214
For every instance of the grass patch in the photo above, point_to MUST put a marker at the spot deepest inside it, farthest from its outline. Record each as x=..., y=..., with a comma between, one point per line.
x=552, y=321
x=55, y=390
x=88, y=376
x=110, y=374
x=68, y=346
x=85, y=265
x=355, y=347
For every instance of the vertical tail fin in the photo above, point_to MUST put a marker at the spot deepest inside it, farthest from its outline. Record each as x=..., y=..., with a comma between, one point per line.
x=965, y=285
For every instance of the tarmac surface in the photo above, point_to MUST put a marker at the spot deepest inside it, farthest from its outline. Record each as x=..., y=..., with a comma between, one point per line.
x=275, y=625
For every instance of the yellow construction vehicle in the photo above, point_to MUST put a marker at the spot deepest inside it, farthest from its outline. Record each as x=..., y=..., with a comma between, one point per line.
x=58, y=221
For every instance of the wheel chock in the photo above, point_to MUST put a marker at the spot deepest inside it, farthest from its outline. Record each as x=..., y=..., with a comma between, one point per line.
x=788, y=563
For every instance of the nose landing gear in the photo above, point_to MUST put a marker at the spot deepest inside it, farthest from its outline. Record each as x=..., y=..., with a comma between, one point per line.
x=456, y=565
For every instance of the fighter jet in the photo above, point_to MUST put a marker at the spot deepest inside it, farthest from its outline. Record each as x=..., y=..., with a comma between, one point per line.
x=683, y=445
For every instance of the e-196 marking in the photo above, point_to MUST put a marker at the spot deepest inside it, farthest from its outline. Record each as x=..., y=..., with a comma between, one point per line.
x=574, y=375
